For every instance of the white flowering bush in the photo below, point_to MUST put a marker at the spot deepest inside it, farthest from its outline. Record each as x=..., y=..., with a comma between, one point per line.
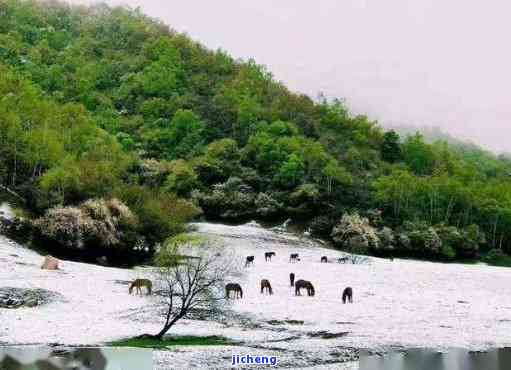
x=96, y=221
x=355, y=233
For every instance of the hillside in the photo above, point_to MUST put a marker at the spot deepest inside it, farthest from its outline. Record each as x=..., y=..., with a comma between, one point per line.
x=108, y=117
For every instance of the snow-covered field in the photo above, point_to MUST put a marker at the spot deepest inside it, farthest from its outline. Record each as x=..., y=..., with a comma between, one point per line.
x=399, y=303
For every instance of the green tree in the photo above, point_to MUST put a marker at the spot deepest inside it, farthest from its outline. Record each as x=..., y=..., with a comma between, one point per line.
x=391, y=147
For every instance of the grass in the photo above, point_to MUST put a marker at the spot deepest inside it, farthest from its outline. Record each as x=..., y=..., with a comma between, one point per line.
x=186, y=340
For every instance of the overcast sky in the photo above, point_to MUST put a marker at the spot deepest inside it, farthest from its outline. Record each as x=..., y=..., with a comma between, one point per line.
x=425, y=62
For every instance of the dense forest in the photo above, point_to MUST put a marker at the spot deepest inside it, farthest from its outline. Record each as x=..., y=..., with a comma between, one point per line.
x=116, y=131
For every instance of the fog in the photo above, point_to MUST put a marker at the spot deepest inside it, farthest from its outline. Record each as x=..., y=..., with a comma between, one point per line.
x=432, y=62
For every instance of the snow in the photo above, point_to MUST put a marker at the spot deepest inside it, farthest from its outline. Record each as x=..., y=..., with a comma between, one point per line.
x=400, y=303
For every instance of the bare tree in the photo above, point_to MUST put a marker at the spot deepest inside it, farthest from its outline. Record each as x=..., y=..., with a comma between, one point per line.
x=191, y=282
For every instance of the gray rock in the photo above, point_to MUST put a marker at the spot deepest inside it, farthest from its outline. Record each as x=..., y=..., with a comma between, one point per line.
x=19, y=297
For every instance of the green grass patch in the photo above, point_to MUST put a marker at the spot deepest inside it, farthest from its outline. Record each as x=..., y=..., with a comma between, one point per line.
x=172, y=341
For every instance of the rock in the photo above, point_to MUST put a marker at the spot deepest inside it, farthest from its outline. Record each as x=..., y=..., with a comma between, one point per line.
x=327, y=335
x=19, y=297
x=50, y=263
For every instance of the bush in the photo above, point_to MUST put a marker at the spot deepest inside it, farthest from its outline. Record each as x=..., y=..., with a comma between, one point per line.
x=266, y=206
x=161, y=215
x=498, y=258
x=95, y=223
x=322, y=225
x=230, y=200
x=182, y=178
x=387, y=241
x=355, y=233
x=421, y=239
x=447, y=252
x=303, y=200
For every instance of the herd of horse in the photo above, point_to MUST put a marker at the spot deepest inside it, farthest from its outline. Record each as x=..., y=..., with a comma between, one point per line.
x=234, y=290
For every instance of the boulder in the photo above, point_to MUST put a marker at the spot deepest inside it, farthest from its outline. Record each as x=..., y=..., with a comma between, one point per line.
x=50, y=263
x=19, y=297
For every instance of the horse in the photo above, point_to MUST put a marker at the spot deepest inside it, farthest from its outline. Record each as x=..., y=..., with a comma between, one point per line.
x=233, y=287
x=249, y=261
x=342, y=260
x=347, y=295
x=324, y=259
x=300, y=284
x=265, y=284
x=139, y=283
x=268, y=256
x=293, y=257
x=292, y=279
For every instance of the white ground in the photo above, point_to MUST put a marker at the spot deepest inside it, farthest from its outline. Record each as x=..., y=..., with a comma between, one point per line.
x=403, y=303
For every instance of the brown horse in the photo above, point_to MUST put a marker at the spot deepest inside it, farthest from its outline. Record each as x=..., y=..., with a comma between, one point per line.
x=139, y=283
x=347, y=295
x=233, y=287
x=324, y=259
x=293, y=257
x=304, y=284
x=265, y=284
x=292, y=279
x=268, y=256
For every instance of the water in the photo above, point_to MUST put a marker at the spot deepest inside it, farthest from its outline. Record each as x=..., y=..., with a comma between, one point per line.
x=427, y=359
x=87, y=358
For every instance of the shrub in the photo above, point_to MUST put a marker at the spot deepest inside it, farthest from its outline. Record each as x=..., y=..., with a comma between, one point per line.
x=266, y=206
x=497, y=257
x=230, y=200
x=355, y=233
x=422, y=240
x=182, y=178
x=387, y=240
x=96, y=222
x=322, y=225
x=161, y=215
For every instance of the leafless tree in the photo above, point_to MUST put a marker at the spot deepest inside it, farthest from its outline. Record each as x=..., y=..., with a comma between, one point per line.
x=194, y=281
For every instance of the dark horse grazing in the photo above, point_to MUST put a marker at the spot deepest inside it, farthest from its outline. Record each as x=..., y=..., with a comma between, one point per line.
x=300, y=284
x=265, y=284
x=342, y=259
x=268, y=255
x=324, y=259
x=233, y=287
x=347, y=295
x=293, y=257
x=292, y=279
x=249, y=261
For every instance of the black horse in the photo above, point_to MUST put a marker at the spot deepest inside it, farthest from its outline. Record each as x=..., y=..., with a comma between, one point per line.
x=324, y=259
x=293, y=257
x=342, y=260
x=233, y=287
x=265, y=284
x=347, y=295
x=249, y=261
x=304, y=284
x=292, y=279
x=268, y=256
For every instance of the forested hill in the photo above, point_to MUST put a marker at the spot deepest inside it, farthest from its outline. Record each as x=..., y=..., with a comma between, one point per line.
x=107, y=117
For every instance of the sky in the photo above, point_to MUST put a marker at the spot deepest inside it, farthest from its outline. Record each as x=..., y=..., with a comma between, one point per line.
x=439, y=63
